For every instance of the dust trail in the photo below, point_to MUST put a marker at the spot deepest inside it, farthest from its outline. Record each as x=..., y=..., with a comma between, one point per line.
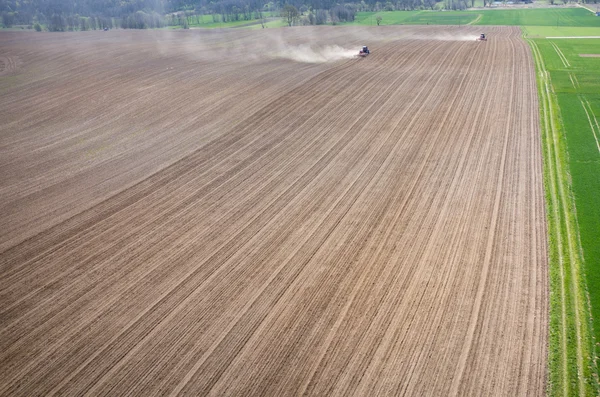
x=452, y=37
x=306, y=53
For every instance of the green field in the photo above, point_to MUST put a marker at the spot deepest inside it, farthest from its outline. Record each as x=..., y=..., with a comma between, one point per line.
x=577, y=87
x=570, y=107
x=272, y=23
x=551, y=17
x=553, y=31
x=388, y=18
x=415, y=18
x=208, y=22
x=539, y=17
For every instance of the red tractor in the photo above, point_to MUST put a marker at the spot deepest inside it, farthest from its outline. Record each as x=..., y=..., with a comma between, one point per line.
x=364, y=51
x=482, y=37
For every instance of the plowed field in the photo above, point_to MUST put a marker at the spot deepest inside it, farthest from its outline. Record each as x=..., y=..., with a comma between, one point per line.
x=204, y=213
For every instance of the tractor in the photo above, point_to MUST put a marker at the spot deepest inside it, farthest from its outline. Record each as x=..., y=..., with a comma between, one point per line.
x=364, y=51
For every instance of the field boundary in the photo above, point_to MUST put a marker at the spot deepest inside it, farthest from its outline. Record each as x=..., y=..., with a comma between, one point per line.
x=570, y=353
x=474, y=21
x=585, y=7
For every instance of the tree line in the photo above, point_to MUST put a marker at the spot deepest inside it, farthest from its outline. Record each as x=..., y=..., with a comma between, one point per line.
x=69, y=15
x=62, y=15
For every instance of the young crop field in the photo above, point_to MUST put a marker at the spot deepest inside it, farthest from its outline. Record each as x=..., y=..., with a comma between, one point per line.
x=260, y=212
x=442, y=18
x=561, y=31
x=271, y=19
x=540, y=17
x=414, y=18
x=573, y=161
x=555, y=17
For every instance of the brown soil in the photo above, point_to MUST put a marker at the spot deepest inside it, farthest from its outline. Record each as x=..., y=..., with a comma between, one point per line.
x=590, y=55
x=184, y=212
x=8, y=65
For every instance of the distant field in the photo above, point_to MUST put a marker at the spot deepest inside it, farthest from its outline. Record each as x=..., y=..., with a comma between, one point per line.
x=273, y=23
x=417, y=18
x=210, y=22
x=208, y=25
x=388, y=18
x=539, y=17
x=560, y=17
x=550, y=31
x=442, y=18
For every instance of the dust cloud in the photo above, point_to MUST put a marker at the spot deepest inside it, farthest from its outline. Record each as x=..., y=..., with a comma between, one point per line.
x=309, y=54
x=205, y=45
x=450, y=37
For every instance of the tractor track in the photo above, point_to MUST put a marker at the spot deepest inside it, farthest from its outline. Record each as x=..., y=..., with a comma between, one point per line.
x=366, y=227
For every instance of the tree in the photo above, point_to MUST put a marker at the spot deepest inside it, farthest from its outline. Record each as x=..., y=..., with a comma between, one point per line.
x=321, y=17
x=8, y=19
x=259, y=15
x=378, y=19
x=342, y=14
x=57, y=23
x=83, y=24
x=430, y=4
x=290, y=14
x=37, y=27
x=72, y=22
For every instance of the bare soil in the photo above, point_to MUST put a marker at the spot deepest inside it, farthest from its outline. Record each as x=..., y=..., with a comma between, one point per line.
x=189, y=212
x=8, y=65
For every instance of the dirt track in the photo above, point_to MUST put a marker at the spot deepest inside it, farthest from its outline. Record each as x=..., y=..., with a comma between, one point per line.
x=180, y=217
